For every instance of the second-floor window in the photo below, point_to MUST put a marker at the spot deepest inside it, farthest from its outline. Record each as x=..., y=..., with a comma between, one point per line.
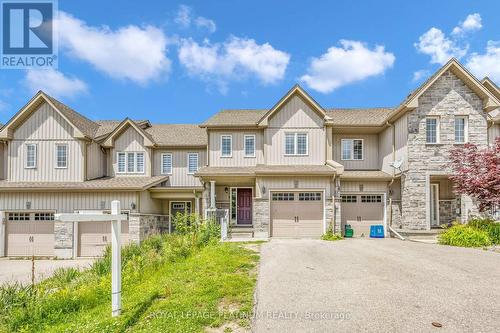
x=352, y=149
x=192, y=163
x=432, y=130
x=31, y=157
x=61, y=156
x=130, y=162
x=249, y=145
x=226, y=144
x=296, y=144
x=461, y=126
x=166, y=164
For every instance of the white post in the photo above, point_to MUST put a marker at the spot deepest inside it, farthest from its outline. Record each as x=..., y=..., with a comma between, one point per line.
x=212, y=194
x=2, y=234
x=116, y=261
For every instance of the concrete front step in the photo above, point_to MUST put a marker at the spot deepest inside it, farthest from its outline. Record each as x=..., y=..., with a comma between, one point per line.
x=241, y=232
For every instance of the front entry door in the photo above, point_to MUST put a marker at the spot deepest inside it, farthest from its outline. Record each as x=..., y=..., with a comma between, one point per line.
x=244, y=206
x=434, y=205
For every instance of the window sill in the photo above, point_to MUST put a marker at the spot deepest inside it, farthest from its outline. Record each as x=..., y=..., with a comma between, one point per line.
x=227, y=156
x=296, y=155
x=249, y=156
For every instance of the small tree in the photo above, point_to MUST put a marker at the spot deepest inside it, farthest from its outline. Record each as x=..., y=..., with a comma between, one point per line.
x=476, y=172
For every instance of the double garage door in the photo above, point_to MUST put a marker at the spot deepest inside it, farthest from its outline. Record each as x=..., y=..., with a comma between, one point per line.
x=297, y=214
x=361, y=211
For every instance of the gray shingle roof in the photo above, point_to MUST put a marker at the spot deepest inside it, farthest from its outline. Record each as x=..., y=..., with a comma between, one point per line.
x=261, y=169
x=85, y=125
x=239, y=117
x=177, y=135
x=359, y=116
x=226, y=171
x=107, y=183
x=365, y=174
x=340, y=117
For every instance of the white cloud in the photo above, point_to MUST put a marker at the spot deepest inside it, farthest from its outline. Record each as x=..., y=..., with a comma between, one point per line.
x=420, y=74
x=439, y=47
x=351, y=62
x=185, y=18
x=487, y=64
x=203, y=22
x=472, y=23
x=132, y=53
x=54, y=83
x=237, y=58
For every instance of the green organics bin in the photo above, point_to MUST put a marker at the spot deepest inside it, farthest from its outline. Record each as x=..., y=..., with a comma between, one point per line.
x=348, y=231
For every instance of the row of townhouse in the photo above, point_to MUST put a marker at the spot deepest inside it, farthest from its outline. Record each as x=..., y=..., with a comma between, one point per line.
x=289, y=171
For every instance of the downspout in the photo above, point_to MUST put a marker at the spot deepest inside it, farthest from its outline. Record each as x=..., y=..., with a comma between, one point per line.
x=393, y=171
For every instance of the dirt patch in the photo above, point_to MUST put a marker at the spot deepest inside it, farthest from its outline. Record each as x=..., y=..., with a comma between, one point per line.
x=232, y=327
x=254, y=247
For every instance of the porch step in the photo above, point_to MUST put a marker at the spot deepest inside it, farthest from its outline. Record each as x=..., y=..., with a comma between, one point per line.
x=424, y=236
x=240, y=232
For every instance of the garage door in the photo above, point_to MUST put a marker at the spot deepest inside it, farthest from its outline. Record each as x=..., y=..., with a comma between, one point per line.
x=93, y=237
x=361, y=211
x=297, y=214
x=29, y=234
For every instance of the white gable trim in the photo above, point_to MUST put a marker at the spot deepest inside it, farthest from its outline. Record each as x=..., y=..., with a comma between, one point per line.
x=109, y=141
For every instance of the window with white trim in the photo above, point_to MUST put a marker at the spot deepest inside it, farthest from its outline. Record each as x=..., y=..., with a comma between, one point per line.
x=61, y=155
x=432, y=130
x=371, y=198
x=349, y=198
x=192, y=163
x=226, y=145
x=166, y=164
x=44, y=216
x=461, y=128
x=352, y=149
x=130, y=162
x=31, y=156
x=249, y=143
x=121, y=162
x=296, y=144
x=18, y=216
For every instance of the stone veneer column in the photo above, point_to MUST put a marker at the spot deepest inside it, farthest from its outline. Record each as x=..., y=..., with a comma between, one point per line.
x=63, y=234
x=261, y=218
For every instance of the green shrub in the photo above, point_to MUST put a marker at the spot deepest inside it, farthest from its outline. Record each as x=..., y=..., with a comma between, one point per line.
x=329, y=235
x=488, y=225
x=465, y=236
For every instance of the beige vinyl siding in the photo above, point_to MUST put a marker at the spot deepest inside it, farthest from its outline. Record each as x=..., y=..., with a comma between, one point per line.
x=179, y=176
x=96, y=161
x=147, y=205
x=46, y=170
x=493, y=133
x=295, y=116
x=385, y=149
x=3, y=160
x=349, y=186
x=45, y=128
x=130, y=141
x=401, y=142
x=276, y=183
x=238, y=157
x=64, y=202
x=370, y=159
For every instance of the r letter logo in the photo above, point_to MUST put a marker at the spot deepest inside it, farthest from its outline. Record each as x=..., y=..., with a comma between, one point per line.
x=28, y=34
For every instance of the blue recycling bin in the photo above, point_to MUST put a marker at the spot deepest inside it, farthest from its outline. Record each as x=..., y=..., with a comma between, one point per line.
x=377, y=231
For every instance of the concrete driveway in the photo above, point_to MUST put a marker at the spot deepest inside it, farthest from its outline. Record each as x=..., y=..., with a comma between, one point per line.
x=365, y=285
x=20, y=270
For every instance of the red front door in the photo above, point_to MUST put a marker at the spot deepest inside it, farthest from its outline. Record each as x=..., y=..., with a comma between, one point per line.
x=244, y=209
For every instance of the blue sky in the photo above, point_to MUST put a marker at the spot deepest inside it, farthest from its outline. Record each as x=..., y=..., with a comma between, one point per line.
x=180, y=62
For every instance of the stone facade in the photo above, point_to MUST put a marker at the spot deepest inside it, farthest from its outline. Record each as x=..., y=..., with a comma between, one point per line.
x=141, y=226
x=64, y=240
x=261, y=218
x=446, y=98
x=448, y=211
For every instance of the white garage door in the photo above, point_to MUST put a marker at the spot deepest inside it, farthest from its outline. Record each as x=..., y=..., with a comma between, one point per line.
x=297, y=214
x=29, y=234
x=93, y=237
x=361, y=211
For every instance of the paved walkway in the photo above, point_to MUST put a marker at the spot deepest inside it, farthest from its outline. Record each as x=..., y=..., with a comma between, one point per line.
x=365, y=285
x=20, y=270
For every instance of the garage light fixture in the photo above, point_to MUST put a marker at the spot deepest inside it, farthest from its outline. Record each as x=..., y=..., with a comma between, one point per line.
x=28, y=204
x=132, y=205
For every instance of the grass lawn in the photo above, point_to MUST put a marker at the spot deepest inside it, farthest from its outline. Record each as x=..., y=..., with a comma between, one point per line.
x=169, y=285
